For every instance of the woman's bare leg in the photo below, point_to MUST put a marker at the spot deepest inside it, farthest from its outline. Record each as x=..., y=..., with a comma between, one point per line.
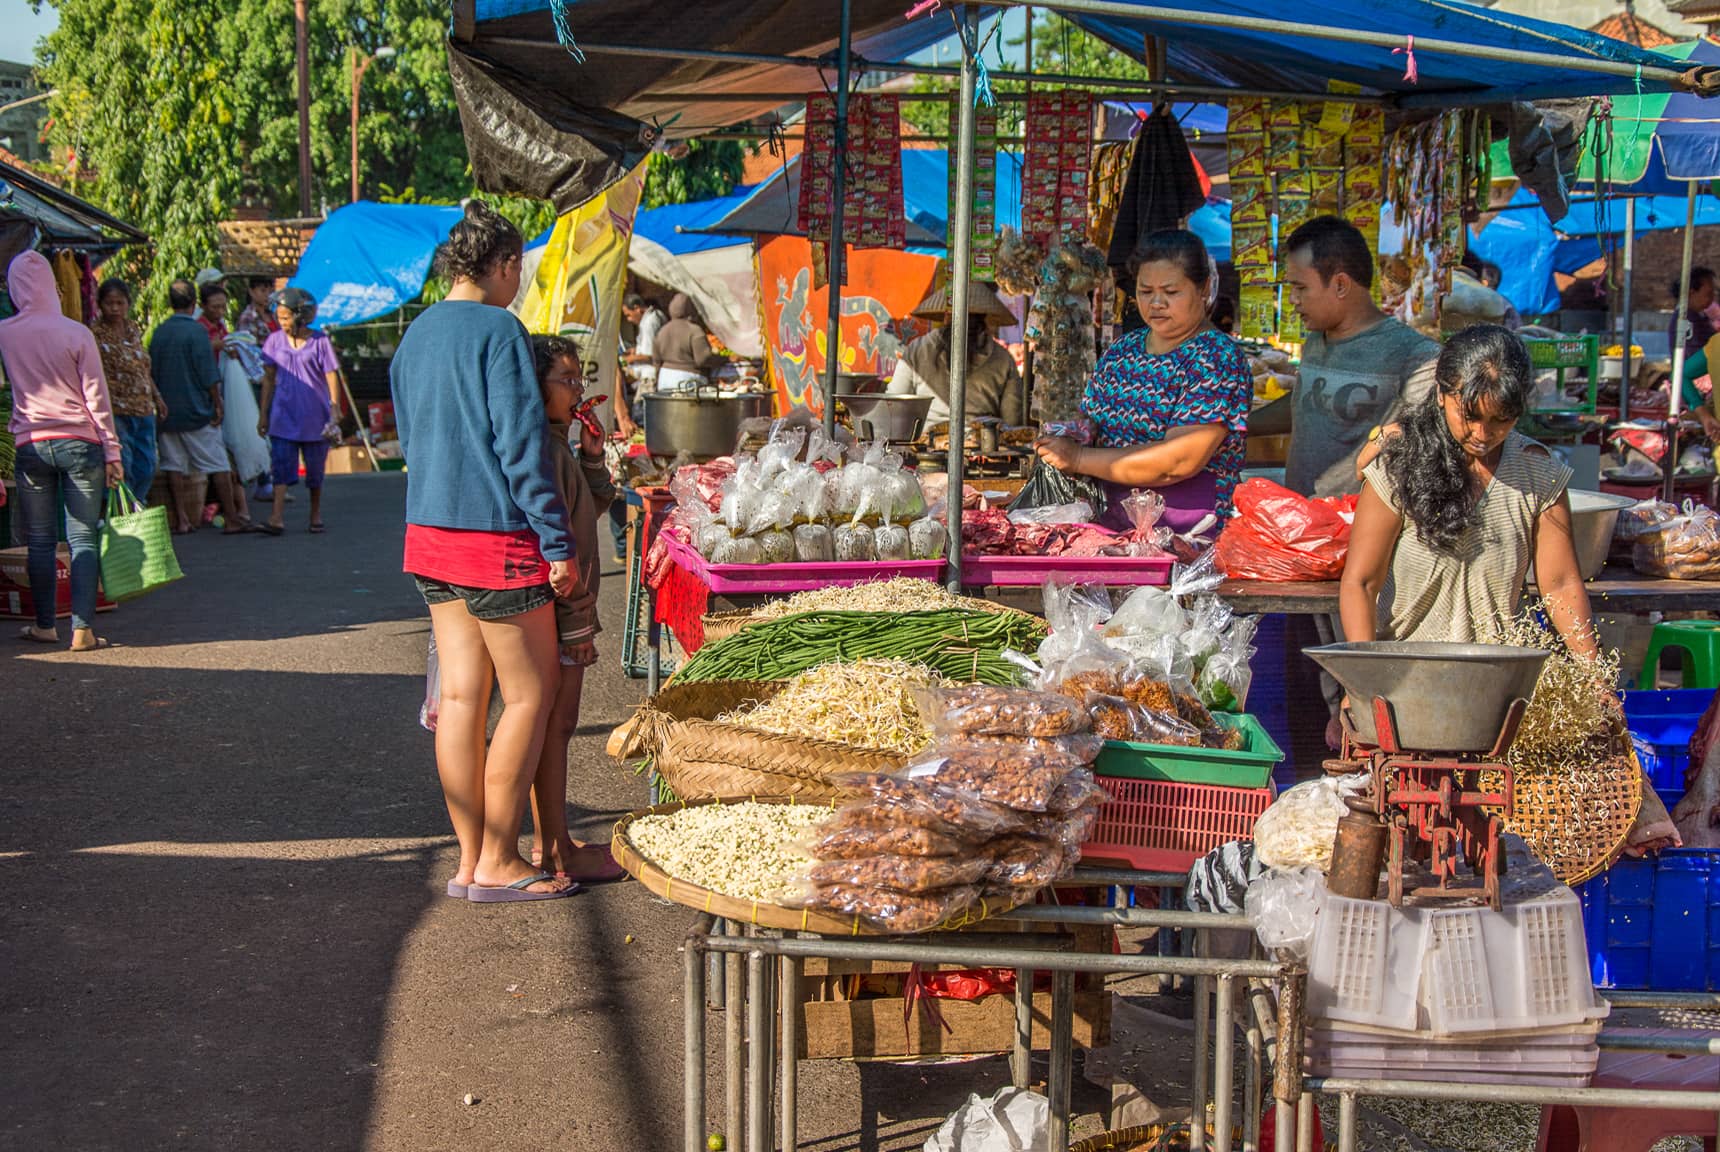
x=524, y=652
x=467, y=675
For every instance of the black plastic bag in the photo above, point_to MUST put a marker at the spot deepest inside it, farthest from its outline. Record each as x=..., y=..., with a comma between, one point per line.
x=1049, y=485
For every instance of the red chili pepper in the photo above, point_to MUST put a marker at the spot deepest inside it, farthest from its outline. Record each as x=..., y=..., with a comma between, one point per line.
x=584, y=416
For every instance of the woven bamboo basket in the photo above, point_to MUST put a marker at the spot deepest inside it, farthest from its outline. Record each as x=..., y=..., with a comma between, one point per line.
x=1147, y=1138
x=701, y=759
x=1578, y=824
x=749, y=911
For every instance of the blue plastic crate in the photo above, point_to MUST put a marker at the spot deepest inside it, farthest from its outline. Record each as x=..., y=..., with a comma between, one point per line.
x=1655, y=923
x=1661, y=724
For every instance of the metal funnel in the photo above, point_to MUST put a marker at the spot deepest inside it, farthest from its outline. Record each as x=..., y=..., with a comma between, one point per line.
x=1449, y=698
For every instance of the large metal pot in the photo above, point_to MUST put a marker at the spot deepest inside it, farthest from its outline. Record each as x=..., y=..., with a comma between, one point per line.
x=705, y=423
x=1594, y=517
x=1444, y=697
x=894, y=418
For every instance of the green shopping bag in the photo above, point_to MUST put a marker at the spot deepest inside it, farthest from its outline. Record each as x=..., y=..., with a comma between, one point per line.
x=137, y=547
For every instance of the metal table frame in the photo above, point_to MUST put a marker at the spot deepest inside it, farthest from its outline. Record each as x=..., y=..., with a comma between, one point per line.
x=733, y=969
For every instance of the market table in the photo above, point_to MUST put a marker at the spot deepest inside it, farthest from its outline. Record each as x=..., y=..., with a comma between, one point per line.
x=1619, y=590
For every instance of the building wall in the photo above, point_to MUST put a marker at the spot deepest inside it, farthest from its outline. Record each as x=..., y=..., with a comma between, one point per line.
x=21, y=128
x=1588, y=13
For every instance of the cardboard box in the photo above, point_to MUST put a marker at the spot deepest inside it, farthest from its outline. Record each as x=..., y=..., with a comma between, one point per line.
x=887, y=1028
x=344, y=459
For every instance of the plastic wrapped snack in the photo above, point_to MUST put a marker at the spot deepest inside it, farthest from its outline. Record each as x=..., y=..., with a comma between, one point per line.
x=853, y=542
x=1024, y=862
x=775, y=547
x=892, y=911
x=929, y=805
x=813, y=545
x=1070, y=752
x=1147, y=691
x=902, y=873
x=860, y=832
x=984, y=710
x=910, y=498
x=1642, y=516
x=743, y=550
x=1298, y=830
x=927, y=539
x=711, y=537
x=1079, y=789
x=1115, y=718
x=891, y=542
x=1684, y=548
x=1024, y=786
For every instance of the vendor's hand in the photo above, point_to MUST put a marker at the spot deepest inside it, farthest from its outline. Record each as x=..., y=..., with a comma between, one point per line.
x=1710, y=424
x=115, y=473
x=624, y=426
x=1059, y=451
x=563, y=580
x=583, y=655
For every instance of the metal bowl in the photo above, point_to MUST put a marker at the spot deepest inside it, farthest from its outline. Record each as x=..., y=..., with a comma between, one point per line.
x=893, y=418
x=1445, y=697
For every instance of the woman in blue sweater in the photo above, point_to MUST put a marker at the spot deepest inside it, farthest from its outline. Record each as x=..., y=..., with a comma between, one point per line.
x=487, y=540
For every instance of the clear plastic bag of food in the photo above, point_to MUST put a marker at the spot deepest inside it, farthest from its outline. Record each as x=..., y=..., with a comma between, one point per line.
x=1074, y=614
x=891, y=542
x=928, y=804
x=892, y=911
x=1076, y=512
x=430, y=710
x=741, y=550
x=1024, y=863
x=853, y=542
x=1080, y=789
x=927, y=539
x=1299, y=828
x=987, y=710
x=813, y=544
x=1070, y=752
x=1147, y=612
x=1686, y=547
x=775, y=547
x=1024, y=785
x=1641, y=516
x=1115, y=718
x=1208, y=620
x=909, y=498
x=1224, y=682
x=865, y=830
x=711, y=537
x=1144, y=507
x=780, y=452
x=901, y=873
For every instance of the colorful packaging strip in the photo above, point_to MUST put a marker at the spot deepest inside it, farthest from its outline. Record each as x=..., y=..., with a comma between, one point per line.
x=1056, y=168
x=983, y=251
x=872, y=200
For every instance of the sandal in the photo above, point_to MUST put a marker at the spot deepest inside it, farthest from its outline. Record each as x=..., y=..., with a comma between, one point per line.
x=516, y=893
x=318, y=529
x=31, y=633
x=270, y=529
x=101, y=642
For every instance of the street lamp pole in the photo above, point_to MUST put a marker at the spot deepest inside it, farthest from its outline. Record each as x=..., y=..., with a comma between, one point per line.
x=303, y=52
x=359, y=67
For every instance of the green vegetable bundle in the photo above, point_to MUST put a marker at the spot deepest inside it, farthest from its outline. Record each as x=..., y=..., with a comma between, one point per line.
x=960, y=644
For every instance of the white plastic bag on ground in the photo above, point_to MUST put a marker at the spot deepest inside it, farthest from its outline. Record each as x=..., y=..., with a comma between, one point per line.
x=1014, y=1120
x=1282, y=905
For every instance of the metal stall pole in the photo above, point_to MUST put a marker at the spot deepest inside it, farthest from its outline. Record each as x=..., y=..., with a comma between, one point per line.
x=1202, y=1047
x=838, y=264
x=1287, y=1071
x=1223, y=1059
x=1060, y=1084
x=1021, y=1058
x=1347, y=1122
x=1254, y=1039
x=758, y=1054
x=693, y=1049
x=1678, y=348
x=960, y=256
x=1626, y=305
x=788, y=1074
x=734, y=1044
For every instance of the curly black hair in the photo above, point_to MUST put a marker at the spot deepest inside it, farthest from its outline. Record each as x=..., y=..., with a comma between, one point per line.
x=1487, y=368
x=546, y=350
x=479, y=242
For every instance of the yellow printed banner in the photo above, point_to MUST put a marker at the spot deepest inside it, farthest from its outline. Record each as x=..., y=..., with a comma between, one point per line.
x=577, y=288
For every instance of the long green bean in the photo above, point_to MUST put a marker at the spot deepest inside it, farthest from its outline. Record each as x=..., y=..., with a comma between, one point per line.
x=959, y=643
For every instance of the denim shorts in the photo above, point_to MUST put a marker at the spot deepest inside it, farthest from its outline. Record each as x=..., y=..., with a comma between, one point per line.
x=486, y=603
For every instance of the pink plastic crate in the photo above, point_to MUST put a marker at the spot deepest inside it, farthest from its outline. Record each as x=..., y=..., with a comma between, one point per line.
x=1031, y=571
x=775, y=579
x=1163, y=825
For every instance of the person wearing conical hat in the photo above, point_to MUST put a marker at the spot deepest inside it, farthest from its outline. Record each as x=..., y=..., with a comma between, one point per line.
x=994, y=387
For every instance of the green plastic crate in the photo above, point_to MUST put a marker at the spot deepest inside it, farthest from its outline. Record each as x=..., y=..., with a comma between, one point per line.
x=1249, y=768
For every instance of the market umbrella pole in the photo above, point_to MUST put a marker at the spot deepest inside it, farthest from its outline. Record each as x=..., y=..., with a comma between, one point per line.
x=1683, y=329
x=1626, y=305
x=838, y=248
x=960, y=247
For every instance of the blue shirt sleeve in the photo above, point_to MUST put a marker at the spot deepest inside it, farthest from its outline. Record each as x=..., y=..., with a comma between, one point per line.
x=520, y=436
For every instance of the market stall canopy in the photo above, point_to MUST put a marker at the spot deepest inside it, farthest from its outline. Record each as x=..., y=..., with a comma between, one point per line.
x=544, y=118
x=368, y=259
x=60, y=219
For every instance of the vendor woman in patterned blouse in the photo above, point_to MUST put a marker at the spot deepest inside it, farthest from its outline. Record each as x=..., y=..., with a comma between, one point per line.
x=1455, y=506
x=1169, y=402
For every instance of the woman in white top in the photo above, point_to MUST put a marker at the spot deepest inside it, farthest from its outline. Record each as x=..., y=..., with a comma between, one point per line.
x=1456, y=505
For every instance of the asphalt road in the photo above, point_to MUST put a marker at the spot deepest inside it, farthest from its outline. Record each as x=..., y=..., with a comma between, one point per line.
x=222, y=919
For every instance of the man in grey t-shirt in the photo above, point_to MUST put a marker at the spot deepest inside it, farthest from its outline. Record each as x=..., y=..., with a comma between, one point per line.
x=1360, y=367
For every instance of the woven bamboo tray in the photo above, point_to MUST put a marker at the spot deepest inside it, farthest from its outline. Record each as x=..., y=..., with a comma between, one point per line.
x=752, y=912
x=1578, y=828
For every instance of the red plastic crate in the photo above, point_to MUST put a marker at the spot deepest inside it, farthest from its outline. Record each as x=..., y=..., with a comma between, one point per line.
x=1163, y=825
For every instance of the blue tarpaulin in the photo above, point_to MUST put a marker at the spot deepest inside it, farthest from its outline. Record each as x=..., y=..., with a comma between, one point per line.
x=367, y=259
x=679, y=228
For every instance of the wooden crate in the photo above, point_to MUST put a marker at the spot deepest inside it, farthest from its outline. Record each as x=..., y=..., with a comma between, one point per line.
x=885, y=1028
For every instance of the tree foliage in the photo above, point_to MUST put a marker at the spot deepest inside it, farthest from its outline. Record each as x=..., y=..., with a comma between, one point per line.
x=708, y=168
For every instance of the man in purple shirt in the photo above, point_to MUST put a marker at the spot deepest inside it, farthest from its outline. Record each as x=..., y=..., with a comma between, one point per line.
x=300, y=376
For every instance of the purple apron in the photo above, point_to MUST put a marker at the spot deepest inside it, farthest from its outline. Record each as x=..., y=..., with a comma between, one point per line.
x=1187, y=503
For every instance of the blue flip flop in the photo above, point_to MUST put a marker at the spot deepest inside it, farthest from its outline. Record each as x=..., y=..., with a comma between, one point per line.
x=516, y=892
x=457, y=890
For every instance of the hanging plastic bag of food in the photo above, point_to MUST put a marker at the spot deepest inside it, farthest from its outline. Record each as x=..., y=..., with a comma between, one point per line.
x=1048, y=486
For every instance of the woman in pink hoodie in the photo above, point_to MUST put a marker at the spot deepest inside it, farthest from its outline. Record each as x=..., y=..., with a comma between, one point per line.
x=67, y=448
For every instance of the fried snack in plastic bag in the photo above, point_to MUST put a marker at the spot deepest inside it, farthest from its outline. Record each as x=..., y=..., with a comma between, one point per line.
x=986, y=710
x=1115, y=718
x=929, y=804
x=1023, y=785
x=1025, y=862
x=893, y=911
x=1070, y=752
x=1640, y=517
x=1080, y=789
x=1146, y=691
x=901, y=873
x=1684, y=548
x=1298, y=830
x=859, y=832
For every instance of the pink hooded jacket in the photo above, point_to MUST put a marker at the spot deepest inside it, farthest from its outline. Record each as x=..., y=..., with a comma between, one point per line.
x=59, y=391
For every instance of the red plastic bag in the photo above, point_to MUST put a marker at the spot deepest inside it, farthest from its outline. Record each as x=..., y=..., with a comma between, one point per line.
x=1278, y=536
